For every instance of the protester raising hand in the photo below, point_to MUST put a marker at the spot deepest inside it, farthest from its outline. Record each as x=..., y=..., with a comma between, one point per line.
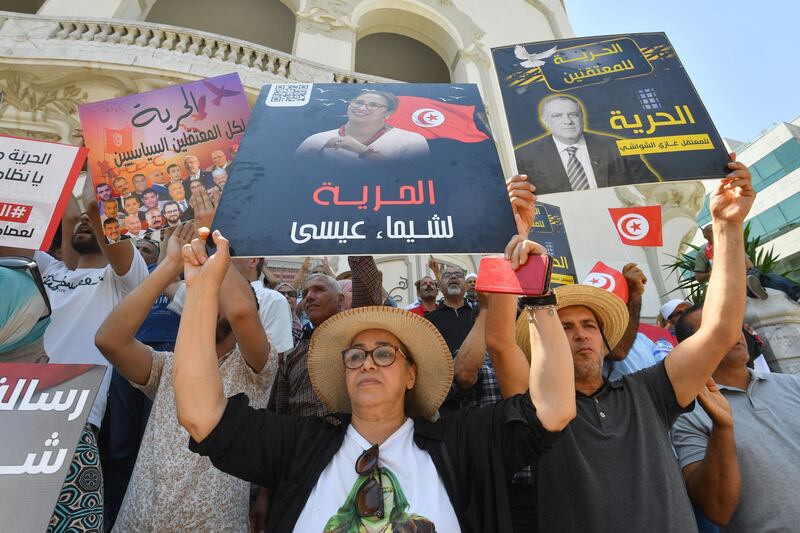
x=116, y=337
x=715, y=405
x=179, y=236
x=734, y=196
x=203, y=208
x=635, y=278
x=435, y=268
x=714, y=483
x=523, y=202
x=327, y=267
x=519, y=248
x=200, y=269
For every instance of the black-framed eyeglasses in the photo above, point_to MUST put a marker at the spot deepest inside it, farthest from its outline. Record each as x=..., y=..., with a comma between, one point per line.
x=383, y=355
x=23, y=263
x=369, y=499
x=372, y=106
x=459, y=275
x=290, y=294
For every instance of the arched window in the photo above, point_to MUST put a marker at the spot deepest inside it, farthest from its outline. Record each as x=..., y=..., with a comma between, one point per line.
x=398, y=57
x=266, y=22
x=21, y=6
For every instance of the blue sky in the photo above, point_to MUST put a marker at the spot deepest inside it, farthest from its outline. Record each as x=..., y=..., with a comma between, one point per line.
x=741, y=55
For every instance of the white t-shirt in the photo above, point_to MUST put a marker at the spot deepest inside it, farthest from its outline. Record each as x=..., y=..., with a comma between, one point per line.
x=273, y=311
x=413, y=490
x=275, y=315
x=395, y=144
x=81, y=299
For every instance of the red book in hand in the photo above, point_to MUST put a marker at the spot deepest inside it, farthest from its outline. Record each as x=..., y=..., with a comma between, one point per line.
x=531, y=279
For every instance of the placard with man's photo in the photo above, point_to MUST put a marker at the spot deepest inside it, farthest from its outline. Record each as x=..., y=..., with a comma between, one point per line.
x=153, y=155
x=592, y=112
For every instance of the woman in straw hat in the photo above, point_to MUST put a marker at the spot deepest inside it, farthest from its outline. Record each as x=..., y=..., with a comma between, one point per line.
x=388, y=466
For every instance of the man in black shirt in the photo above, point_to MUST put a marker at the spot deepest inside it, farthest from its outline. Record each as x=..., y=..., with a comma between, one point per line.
x=453, y=317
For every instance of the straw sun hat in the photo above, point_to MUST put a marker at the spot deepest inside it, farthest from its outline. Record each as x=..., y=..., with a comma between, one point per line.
x=610, y=311
x=425, y=344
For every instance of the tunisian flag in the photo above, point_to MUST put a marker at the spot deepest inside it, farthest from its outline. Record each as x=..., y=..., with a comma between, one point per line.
x=119, y=140
x=604, y=277
x=638, y=226
x=436, y=120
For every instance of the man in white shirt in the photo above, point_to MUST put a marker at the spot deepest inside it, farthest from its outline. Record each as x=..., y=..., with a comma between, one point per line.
x=571, y=159
x=81, y=298
x=194, y=173
x=273, y=309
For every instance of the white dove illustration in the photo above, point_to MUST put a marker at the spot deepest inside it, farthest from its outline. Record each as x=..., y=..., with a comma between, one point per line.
x=532, y=60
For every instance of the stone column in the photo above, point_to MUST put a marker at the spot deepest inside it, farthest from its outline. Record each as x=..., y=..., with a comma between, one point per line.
x=680, y=202
x=325, y=37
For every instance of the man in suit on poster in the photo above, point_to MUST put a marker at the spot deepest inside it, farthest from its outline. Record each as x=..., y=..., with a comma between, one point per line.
x=571, y=159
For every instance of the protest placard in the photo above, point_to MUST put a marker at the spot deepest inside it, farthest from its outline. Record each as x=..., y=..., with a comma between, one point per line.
x=594, y=112
x=549, y=231
x=384, y=169
x=43, y=410
x=150, y=152
x=36, y=180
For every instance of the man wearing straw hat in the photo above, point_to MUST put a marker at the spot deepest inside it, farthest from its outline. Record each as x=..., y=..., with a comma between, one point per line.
x=387, y=467
x=613, y=468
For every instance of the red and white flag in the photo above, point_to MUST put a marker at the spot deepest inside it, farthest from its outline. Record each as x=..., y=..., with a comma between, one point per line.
x=118, y=140
x=638, y=226
x=436, y=120
x=604, y=277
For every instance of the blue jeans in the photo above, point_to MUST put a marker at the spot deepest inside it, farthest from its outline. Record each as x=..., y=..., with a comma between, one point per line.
x=779, y=283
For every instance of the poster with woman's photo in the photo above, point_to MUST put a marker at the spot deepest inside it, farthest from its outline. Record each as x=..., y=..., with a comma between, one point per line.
x=357, y=169
x=592, y=112
x=151, y=153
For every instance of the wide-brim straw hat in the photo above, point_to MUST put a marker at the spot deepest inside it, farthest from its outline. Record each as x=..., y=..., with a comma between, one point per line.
x=425, y=345
x=609, y=309
x=524, y=334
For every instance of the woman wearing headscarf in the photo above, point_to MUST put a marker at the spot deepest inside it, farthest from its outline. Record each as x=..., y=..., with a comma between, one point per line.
x=24, y=317
x=24, y=313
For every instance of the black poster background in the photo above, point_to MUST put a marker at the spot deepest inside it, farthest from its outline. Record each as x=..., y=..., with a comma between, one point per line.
x=270, y=187
x=656, y=84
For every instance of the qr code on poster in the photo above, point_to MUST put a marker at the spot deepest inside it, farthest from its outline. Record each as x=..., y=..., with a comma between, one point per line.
x=289, y=94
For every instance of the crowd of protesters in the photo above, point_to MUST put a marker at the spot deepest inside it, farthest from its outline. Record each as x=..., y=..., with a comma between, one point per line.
x=237, y=402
